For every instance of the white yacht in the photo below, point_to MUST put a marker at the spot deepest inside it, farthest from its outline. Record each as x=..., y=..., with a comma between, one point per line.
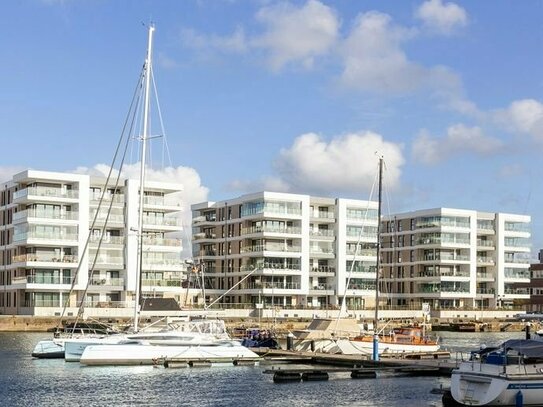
x=185, y=333
x=508, y=375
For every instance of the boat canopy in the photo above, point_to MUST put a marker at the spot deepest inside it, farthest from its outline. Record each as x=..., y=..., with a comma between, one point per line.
x=527, y=347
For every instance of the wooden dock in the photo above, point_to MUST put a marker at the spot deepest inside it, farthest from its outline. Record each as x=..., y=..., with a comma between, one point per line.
x=320, y=365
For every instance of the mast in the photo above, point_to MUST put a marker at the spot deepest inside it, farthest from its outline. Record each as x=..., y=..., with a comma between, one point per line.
x=144, y=137
x=378, y=266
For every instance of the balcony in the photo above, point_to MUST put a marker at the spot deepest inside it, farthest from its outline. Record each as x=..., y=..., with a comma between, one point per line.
x=147, y=262
x=446, y=257
x=204, y=219
x=171, y=222
x=32, y=257
x=40, y=214
x=49, y=192
x=322, y=233
x=107, y=260
x=271, y=229
x=323, y=216
x=270, y=248
x=362, y=252
x=276, y=285
x=517, y=291
x=487, y=261
x=485, y=291
x=102, y=217
x=43, y=235
x=271, y=266
x=42, y=279
x=158, y=241
x=323, y=269
x=116, y=198
x=116, y=240
x=161, y=283
x=109, y=282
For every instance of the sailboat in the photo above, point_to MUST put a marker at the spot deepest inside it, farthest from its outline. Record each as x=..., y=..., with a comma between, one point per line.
x=190, y=340
x=398, y=340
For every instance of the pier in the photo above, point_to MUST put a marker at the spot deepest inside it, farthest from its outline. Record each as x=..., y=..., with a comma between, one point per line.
x=321, y=365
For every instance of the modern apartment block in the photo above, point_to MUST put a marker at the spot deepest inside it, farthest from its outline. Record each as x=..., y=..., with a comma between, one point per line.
x=305, y=252
x=287, y=251
x=455, y=259
x=45, y=220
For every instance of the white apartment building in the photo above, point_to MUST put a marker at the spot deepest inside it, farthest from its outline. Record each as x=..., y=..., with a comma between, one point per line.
x=45, y=220
x=288, y=250
x=455, y=259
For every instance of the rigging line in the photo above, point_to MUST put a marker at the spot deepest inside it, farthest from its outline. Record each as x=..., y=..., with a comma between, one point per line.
x=74, y=279
x=387, y=198
x=343, y=304
x=162, y=129
x=121, y=165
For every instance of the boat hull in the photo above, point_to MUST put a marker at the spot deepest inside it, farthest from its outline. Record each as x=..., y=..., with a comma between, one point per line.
x=135, y=354
x=350, y=347
x=483, y=384
x=49, y=349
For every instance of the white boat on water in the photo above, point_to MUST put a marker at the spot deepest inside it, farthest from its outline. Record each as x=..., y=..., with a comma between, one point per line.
x=508, y=375
x=143, y=353
x=194, y=333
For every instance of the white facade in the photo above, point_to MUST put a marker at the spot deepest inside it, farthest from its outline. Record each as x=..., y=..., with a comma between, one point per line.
x=292, y=249
x=46, y=220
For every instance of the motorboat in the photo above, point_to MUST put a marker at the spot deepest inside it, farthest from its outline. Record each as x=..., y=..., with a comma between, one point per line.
x=508, y=375
x=55, y=348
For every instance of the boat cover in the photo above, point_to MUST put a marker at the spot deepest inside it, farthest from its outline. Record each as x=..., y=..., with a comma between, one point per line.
x=527, y=347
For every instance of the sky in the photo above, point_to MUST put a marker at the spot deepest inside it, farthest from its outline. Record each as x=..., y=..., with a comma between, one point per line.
x=294, y=96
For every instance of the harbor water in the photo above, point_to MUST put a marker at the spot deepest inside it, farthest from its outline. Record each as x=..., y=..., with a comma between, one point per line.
x=25, y=381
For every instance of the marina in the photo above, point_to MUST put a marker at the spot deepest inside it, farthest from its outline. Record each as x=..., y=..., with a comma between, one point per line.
x=24, y=379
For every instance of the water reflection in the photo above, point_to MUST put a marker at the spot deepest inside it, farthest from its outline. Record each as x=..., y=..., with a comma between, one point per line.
x=26, y=381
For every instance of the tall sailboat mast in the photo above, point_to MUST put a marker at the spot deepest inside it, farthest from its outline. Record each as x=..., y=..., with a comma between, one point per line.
x=144, y=137
x=378, y=266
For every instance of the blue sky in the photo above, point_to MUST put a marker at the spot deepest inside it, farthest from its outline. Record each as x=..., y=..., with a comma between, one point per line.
x=293, y=96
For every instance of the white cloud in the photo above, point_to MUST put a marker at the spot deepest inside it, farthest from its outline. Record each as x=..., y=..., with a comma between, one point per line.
x=459, y=139
x=442, y=17
x=297, y=34
x=345, y=164
x=374, y=60
x=524, y=116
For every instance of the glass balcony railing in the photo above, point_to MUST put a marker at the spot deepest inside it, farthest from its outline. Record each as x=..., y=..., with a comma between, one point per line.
x=43, y=303
x=485, y=243
x=272, y=266
x=275, y=285
x=17, y=237
x=322, y=215
x=117, y=282
x=321, y=250
x=42, y=191
x=39, y=279
x=324, y=269
x=34, y=213
x=362, y=252
x=517, y=291
x=149, y=220
x=102, y=217
x=159, y=241
x=161, y=283
x=322, y=232
x=271, y=229
x=485, y=290
x=162, y=262
x=45, y=257
x=107, y=239
x=270, y=248
x=116, y=198
x=117, y=260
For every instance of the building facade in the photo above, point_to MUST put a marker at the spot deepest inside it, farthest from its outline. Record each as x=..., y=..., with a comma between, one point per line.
x=287, y=250
x=69, y=238
x=455, y=259
x=299, y=251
